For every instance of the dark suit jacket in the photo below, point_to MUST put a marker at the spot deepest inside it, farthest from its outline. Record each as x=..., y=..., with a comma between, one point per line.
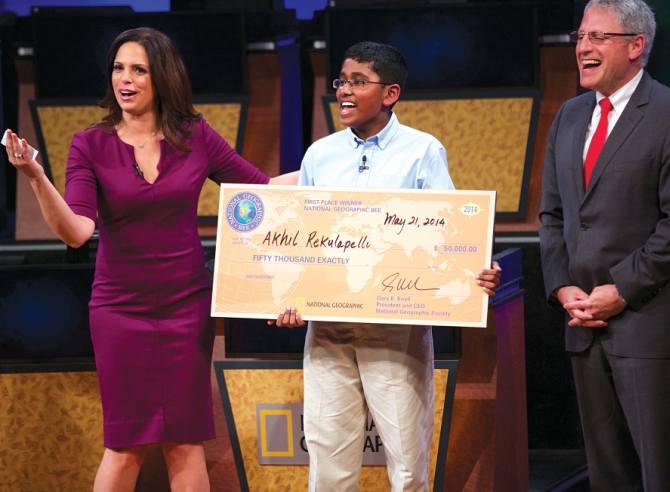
x=618, y=230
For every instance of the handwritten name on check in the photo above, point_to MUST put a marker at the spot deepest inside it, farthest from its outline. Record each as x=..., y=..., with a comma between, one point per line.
x=372, y=256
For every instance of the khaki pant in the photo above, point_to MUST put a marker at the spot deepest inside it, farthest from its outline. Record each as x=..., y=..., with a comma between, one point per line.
x=350, y=368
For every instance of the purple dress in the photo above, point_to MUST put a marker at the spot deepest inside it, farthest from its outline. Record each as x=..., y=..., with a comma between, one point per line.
x=151, y=295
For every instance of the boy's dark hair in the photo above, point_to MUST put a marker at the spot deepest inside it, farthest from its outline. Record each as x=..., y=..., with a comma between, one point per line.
x=384, y=59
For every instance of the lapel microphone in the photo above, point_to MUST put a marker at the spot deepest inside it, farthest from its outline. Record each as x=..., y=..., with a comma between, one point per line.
x=137, y=169
x=363, y=166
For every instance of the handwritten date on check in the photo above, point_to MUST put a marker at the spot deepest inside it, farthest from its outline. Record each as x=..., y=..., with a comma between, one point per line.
x=369, y=256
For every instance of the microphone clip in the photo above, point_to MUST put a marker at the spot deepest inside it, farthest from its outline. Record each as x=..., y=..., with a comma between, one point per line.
x=138, y=170
x=363, y=165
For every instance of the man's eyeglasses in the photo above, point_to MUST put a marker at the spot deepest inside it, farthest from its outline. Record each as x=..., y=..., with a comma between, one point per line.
x=597, y=37
x=355, y=85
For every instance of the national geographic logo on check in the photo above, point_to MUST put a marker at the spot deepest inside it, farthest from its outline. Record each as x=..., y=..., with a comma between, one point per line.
x=244, y=211
x=281, y=438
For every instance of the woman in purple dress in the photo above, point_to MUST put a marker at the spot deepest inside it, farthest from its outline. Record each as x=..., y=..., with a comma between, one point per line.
x=138, y=174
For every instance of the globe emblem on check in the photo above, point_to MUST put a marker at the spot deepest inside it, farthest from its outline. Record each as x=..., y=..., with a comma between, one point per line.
x=244, y=211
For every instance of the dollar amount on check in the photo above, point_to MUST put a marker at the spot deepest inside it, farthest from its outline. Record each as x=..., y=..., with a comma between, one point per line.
x=373, y=256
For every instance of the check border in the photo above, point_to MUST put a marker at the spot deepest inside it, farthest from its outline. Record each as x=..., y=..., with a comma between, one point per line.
x=222, y=222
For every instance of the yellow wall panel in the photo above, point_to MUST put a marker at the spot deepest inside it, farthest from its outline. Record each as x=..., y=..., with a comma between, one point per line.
x=59, y=123
x=50, y=431
x=486, y=140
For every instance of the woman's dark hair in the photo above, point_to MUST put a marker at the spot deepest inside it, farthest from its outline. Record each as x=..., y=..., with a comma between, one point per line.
x=172, y=88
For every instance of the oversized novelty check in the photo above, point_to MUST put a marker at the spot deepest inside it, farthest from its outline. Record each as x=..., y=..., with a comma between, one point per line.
x=375, y=256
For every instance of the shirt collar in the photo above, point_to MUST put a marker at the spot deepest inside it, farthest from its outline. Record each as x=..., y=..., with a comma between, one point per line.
x=382, y=139
x=622, y=95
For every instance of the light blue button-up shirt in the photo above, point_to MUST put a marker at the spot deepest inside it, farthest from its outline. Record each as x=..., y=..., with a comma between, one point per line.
x=397, y=157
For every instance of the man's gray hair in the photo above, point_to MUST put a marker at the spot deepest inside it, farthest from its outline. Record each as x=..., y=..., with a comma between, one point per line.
x=634, y=16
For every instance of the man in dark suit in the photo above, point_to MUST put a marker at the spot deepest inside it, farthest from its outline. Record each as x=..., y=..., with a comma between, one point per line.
x=605, y=241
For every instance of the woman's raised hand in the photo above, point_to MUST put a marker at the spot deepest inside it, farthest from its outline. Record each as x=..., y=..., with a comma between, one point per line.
x=20, y=155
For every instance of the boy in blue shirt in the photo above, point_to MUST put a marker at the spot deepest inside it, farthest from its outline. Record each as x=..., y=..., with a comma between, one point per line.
x=350, y=368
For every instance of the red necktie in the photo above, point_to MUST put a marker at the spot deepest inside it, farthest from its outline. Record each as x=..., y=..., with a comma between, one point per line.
x=597, y=141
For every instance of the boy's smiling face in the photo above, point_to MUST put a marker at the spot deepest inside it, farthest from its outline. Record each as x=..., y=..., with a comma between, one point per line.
x=365, y=110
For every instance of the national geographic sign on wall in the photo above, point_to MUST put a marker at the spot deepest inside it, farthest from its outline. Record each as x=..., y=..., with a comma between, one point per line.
x=281, y=437
x=262, y=402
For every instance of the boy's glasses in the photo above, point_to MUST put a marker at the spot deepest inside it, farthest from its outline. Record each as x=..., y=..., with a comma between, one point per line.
x=597, y=37
x=355, y=85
